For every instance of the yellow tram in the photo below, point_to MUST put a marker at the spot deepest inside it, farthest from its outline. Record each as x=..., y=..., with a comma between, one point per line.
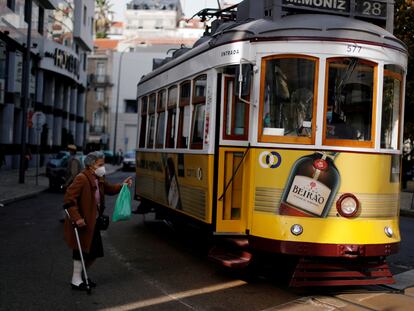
x=281, y=131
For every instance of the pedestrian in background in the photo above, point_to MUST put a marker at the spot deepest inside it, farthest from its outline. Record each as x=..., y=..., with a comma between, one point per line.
x=27, y=158
x=120, y=156
x=74, y=166
x=85, y=200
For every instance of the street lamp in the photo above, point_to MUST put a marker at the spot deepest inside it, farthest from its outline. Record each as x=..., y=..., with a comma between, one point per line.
x=117, y=98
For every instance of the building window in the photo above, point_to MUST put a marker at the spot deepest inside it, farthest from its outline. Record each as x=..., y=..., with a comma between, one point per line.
x=131, y=106
x=35, y=15
x=199, y=100
x=11, y=4
x=99, y=94
x=85, y=10
x=97, y=121
x=41, y=21
x=151, y=121
x=184, y=119
x=100, y=72
x=171, y=117
x=143, y=130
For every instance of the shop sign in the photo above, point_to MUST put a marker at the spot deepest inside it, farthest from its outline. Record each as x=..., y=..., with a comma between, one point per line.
x=376, y=9
x=64, y=60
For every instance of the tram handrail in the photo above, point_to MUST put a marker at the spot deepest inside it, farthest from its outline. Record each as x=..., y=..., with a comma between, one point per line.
x=241, y=80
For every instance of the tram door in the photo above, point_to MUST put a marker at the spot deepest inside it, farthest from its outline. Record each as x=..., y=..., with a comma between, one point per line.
x=232, y=171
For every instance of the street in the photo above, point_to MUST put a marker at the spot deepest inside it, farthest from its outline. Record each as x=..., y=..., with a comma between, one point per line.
x=147, y=265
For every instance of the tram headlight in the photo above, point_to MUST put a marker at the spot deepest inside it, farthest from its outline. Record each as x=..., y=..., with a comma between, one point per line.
x=296, y=229
x=347, y=205
x=388, y=232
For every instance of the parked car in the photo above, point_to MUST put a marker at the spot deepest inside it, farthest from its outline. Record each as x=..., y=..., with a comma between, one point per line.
x=128, y=162
x=56, y=169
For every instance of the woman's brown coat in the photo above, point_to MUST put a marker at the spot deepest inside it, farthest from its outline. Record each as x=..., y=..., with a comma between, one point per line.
x=80, y=202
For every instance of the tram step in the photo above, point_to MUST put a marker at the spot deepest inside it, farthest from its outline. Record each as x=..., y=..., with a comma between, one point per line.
x=311, y=273
x=230, y=258
x=237, y=242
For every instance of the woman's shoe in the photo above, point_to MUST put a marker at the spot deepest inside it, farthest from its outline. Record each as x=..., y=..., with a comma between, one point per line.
x=91, y=283
x=81, y=286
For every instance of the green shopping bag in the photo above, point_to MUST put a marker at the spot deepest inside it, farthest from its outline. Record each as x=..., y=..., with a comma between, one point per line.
x=122, y=209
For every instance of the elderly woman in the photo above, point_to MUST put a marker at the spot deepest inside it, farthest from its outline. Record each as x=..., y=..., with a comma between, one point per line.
x=84, y=200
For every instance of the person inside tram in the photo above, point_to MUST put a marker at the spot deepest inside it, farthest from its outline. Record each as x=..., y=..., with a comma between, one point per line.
x=337, y=127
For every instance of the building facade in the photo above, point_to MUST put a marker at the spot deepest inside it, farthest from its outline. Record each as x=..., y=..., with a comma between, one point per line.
x=98, y=98
x=152, y=29
x=129, y=67
x=61, y=38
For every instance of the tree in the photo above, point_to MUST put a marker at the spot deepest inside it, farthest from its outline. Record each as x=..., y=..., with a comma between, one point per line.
x=103, y=18
x=404, y=30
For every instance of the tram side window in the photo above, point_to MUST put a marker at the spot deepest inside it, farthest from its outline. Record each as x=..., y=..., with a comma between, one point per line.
x=391, y=106
x=151, y=121
x=350, y=94
x=142, y=134
x=171, y=116
x=184, y=119
x=288, y=99
x=199, y=100
x=235, y=113
x=161, y=119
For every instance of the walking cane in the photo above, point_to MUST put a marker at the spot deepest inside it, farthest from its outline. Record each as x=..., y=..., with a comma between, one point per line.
x=85, y=274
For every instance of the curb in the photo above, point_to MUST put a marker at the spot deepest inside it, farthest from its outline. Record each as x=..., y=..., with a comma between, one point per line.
x=23, y=197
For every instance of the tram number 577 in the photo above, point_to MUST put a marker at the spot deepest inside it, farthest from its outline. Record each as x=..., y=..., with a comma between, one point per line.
x=353, y=48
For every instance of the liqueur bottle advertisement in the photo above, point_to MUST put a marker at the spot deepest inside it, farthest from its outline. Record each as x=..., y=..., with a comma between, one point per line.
x=171, y=184
x=311, y=187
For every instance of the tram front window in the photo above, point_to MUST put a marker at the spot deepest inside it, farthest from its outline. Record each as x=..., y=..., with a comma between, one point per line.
x=391, y=103
x=349, y=100
x=288, y=99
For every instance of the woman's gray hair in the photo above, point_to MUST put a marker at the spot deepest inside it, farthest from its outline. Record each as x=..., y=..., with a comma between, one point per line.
x=92, y=157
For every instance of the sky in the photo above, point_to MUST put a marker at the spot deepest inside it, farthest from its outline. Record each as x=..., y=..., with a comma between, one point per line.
x=189, y=7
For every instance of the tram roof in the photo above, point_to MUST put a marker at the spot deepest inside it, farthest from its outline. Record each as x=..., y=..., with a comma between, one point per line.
x=310, y=27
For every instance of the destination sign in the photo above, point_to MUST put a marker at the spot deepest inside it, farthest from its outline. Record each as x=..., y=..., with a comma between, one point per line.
x=372, y=9
x=365, y=8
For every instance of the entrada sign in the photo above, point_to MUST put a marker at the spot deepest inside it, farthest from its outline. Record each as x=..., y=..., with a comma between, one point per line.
x=365, y=8
x=64, y=60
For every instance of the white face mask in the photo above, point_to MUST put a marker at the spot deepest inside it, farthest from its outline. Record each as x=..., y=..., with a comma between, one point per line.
x=100, y=171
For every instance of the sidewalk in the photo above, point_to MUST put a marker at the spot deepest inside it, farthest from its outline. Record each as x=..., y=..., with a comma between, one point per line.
x=11, y=190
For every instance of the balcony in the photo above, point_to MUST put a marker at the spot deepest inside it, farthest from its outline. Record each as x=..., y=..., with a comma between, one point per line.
x=97, y=129
x=99, y=80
